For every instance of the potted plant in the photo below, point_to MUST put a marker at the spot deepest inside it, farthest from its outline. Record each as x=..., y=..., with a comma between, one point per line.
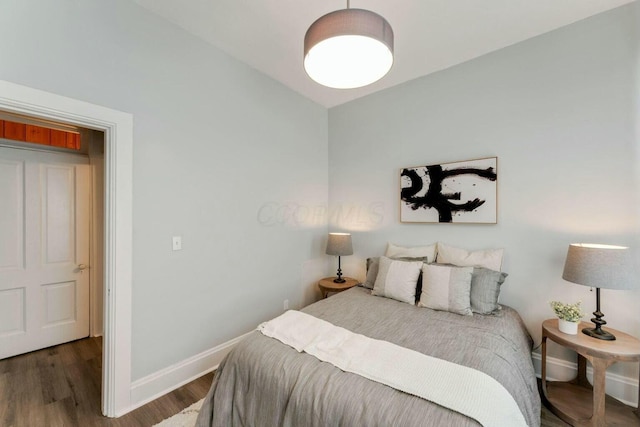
x=569, y=315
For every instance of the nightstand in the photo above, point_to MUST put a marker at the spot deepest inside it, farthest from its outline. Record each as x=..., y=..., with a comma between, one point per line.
x=327, y=285
x=578, y=402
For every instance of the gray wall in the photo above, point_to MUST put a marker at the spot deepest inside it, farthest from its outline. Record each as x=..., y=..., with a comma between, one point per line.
x=214, y=141
x=560, y=112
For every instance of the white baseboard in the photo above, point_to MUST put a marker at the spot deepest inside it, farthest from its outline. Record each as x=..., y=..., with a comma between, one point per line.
x=624, y=389
x=168, y=379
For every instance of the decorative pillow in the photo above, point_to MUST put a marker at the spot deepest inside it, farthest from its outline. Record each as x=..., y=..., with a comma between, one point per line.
x=397, y=279
x=485, y=290
x=446, y=288
x=372, y=272
x=396, y=252
x=488, y=258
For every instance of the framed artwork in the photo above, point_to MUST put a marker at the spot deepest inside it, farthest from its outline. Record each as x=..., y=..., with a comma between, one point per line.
x=459, y=192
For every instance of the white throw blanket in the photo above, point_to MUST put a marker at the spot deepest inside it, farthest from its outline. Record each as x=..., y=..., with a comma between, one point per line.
x=462, y=389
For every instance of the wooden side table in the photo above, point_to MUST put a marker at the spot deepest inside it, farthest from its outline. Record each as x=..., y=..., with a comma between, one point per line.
x=327, y=285
x=577, y=402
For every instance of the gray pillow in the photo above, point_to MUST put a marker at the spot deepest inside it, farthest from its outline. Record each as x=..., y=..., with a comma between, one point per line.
x=397, y=279
x=485, y=289
x=446, y=288
x=372, y=271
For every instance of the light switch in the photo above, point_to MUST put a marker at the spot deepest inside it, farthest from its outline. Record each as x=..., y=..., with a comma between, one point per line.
x=177, y=243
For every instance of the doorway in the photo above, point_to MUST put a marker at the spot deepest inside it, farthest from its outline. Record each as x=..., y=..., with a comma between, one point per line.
x=118, y=142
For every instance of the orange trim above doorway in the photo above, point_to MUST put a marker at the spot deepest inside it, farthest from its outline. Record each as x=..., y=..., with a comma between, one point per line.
x=39, y=135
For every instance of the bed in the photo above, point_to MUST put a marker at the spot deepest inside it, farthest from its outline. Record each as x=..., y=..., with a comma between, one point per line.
x=264, y=382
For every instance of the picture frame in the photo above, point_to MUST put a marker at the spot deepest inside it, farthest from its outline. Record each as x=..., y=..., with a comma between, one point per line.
x=457, y=192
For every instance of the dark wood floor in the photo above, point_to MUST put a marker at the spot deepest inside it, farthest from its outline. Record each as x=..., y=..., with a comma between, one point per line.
x=547, y=419
x=61, y=386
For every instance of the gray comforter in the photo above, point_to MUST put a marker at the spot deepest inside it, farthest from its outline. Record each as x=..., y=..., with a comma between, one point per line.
x=263, y=382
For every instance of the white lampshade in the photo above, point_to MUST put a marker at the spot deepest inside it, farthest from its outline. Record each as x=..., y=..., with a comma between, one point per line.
x=599, y=266
x=339, y=244
x=348, y=48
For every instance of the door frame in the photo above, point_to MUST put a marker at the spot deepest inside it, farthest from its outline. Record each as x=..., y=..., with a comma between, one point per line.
x=118, y=224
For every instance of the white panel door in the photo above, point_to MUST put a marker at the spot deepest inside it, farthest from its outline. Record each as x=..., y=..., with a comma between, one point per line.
x=44, y=249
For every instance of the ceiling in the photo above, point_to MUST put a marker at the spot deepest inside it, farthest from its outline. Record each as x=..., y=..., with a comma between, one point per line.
x=430, y=35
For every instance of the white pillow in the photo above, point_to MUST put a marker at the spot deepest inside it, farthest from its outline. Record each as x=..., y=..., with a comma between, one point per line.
x=446, y=288
x=488, y=258
x=428, y=252
x=397, y=279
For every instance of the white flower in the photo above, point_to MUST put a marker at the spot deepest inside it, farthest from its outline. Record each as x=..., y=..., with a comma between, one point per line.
x=568, y=312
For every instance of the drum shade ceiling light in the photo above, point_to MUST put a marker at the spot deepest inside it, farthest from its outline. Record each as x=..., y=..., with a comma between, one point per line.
x=348, y=48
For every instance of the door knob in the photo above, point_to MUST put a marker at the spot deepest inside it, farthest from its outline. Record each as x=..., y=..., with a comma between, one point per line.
x=82, y=267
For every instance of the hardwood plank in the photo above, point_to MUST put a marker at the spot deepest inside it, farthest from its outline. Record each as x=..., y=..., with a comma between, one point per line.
x=54, y=384
x=60, y=413
x=73, y=140
x=548, y=419
x=15, y=131
x=38, y=135
x=6, y=399
x=63, y=139
x=58, y=138
x=28, y=399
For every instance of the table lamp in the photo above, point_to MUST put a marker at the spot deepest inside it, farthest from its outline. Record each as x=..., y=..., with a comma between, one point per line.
x=339, y=244
x=598, y=266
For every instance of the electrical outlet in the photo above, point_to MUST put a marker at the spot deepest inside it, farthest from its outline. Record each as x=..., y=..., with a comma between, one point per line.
x=177, y=243
x=285, y=305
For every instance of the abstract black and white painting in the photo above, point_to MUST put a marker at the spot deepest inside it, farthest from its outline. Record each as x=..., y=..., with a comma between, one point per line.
x=460, y=192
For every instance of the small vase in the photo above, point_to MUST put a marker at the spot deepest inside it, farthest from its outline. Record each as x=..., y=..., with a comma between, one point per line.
x=567, y=327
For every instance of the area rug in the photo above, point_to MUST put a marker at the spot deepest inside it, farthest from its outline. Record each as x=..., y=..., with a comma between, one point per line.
x=186, y=418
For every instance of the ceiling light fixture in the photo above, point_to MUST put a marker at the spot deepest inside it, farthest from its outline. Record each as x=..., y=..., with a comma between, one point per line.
x=348, y=48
